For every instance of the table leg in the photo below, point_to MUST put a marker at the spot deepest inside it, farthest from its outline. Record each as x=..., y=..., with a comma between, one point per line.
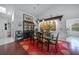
x=48, y=44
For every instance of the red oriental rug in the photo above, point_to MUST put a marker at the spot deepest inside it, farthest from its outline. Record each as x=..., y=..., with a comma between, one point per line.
x=62, y=48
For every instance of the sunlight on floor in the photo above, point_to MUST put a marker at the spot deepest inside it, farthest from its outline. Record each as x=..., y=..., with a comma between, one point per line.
x=4, y=41
x=74, y=44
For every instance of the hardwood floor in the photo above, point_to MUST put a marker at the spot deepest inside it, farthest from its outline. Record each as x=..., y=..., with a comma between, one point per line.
x=15, y=49
x=12, y=49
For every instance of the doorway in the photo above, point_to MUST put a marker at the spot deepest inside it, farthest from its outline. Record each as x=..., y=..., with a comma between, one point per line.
x=5, y=30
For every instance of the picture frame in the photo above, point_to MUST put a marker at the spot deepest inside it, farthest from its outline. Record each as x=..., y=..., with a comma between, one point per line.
x=27, y=17
x=75, y=27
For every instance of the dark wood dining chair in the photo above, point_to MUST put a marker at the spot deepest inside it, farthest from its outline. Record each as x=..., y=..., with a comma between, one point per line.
x=40, y=39
x=34, y=37
x=31, y=35
x=46, y=43
x=54, y=41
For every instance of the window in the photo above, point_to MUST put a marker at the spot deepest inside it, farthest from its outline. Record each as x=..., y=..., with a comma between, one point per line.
x=2, y=10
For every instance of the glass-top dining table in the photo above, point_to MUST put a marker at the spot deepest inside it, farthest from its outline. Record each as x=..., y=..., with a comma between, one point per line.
x=46, y=37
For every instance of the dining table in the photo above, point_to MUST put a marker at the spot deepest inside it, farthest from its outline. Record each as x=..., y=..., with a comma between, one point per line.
x=47, y=38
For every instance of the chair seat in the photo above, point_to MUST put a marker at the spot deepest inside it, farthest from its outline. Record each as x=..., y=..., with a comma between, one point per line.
x=39, y=40
x=35, y=37
x=44, y=40
x=52, y=42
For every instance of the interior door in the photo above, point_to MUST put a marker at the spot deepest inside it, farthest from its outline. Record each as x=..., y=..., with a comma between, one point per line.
x=3, y=29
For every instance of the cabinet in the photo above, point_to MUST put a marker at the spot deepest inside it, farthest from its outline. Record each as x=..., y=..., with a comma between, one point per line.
x=28, y=26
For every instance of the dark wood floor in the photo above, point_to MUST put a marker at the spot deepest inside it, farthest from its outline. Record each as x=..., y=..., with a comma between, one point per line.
x=12, y=49
x=15, y=49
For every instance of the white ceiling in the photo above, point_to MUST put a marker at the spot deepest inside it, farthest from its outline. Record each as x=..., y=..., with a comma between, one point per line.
x=34, y=9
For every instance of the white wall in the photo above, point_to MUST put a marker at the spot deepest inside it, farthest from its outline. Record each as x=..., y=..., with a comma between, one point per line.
x=18, y=18
x=68, y=12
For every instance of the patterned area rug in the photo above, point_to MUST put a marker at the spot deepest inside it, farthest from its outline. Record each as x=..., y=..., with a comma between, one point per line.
x=62, y=48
